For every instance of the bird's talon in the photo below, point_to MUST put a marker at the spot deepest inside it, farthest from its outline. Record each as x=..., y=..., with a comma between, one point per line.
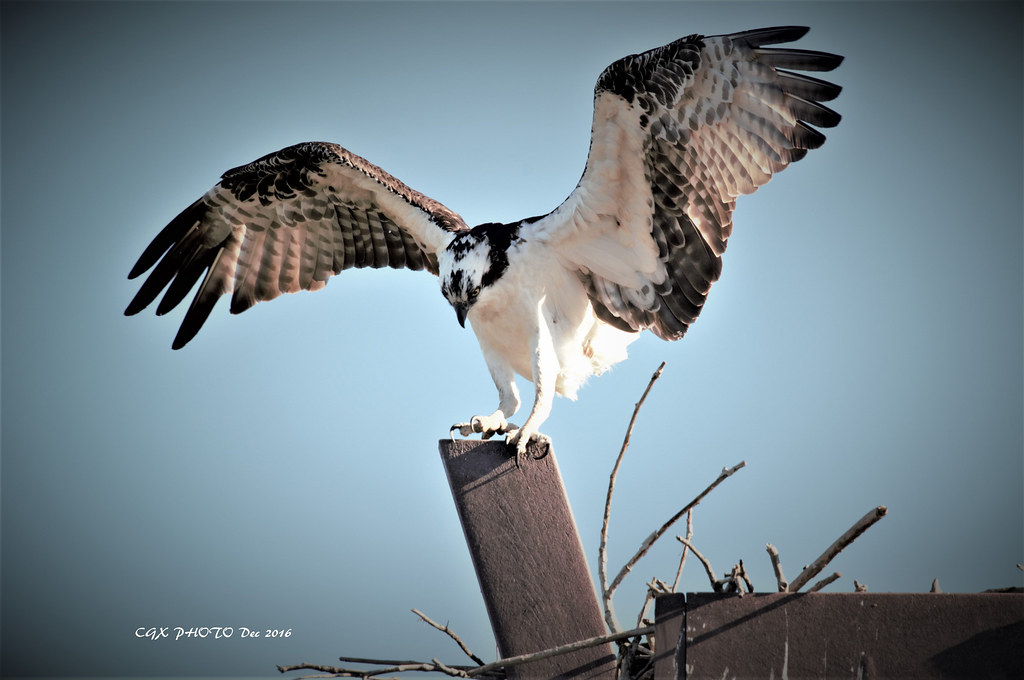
x=464, y=429
x=519, y=443
x=485, y=426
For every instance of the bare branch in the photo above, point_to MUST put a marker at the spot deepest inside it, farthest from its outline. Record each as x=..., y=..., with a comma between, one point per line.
x=824, y=582
x=379, y=662
x=602, y=560
x=626, y=657
x=682, y=558
x=448, y=670
x=862, y=525
x=486, y=670
x=859, y=587
x=337, y=672
x=631, y=655
x=773, y=555
x=333, y=670
x=647, y=603
x=935, y=586
x=555, y=651
x=716, y=585
x=385, y=666
x=658, y=586
x=733, y=583
x=746, y=579
x=650, y=540
x=736, y=579
x=449, y=633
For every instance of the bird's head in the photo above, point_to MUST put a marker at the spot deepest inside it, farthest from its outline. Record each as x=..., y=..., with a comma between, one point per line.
x=471, y=263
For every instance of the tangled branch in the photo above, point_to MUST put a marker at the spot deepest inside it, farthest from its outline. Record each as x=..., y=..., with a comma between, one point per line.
x=650, y=540
x=490, y=670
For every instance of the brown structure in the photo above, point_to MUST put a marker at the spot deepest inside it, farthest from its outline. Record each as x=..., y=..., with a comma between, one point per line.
x=539, y=594
x=529, y=561
x=841, y=635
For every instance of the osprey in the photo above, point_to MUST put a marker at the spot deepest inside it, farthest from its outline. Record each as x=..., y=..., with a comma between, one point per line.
x=678, y=133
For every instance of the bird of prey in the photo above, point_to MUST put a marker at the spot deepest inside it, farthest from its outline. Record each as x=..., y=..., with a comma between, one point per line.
x=679, y=132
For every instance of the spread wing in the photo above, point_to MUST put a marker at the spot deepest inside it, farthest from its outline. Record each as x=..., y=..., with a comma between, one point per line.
x=287, y=222
x=679, y=132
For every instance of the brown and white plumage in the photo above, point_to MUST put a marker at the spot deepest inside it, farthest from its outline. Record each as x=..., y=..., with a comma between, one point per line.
x=288, y=222
x=679, y=133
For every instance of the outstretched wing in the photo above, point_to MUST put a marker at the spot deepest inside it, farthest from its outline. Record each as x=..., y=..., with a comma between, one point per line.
x=679, y=132
x=287, y=222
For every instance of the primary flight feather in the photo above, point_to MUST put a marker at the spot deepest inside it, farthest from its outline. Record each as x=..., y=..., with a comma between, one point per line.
x=679, y=132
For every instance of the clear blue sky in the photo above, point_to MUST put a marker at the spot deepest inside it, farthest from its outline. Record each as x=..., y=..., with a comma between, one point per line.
x=863, y=347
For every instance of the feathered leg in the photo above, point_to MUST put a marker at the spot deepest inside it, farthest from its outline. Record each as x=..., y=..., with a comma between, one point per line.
x=545, y=378
x=508, y=402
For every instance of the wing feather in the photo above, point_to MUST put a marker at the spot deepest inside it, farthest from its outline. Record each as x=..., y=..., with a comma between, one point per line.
x=345, y=244
x=679, y=133
x=288, y=222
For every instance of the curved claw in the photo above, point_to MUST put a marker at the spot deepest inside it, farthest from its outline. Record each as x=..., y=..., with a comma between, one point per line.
x=516, y=440
x=461, y=427
x=486, y=426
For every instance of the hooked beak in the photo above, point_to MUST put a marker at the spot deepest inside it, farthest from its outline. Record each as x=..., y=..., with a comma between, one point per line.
x=460, y=312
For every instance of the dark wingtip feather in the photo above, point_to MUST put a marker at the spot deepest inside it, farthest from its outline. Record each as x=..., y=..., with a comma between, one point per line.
x=242, y=299
x=185, y=251
x=772, y=35
x=805, y=137
x=806, y=87
x=184, y=335
x=168, y=236
x=813, y=113
x=195, y=317
x=801, y=60
x=187, y=276
x=152, y=286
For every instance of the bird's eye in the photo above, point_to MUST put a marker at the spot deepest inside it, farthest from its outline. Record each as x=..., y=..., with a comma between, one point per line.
x=473, y=293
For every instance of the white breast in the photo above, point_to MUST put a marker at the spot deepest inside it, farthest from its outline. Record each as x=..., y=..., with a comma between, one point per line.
x=537, y=289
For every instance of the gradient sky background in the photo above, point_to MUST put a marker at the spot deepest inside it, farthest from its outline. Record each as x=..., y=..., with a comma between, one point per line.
x=863, y=347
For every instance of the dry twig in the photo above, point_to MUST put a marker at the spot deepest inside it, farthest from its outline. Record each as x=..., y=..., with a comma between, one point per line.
x=650, y=540
x=449, y=633
x=651, y=594
x=824, y=582
x=602, y=560
x=716, y=585
x=555, y=651
x=682, y=558
x=846, y=539
x=636, y=660
x=733, y=583
x=746, y=579
x=773, y=555
x=736, y=579
x=406, y=667
x=494, y=669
